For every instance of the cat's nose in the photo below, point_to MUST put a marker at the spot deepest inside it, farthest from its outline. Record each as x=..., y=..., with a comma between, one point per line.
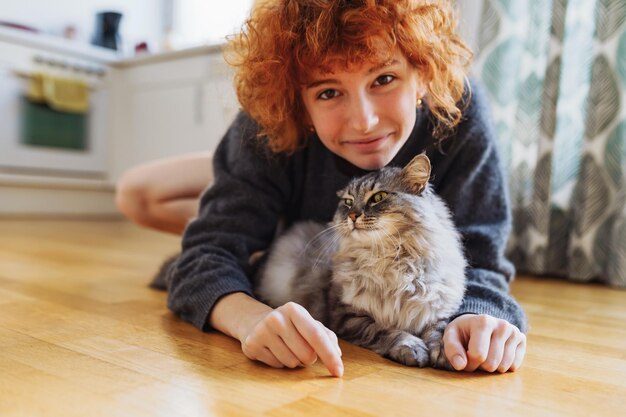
x=354, y=215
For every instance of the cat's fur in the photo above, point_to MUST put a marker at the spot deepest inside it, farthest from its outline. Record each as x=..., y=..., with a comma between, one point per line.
x=385, y=275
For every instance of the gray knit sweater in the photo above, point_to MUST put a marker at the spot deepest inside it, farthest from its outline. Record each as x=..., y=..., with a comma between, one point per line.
x=253, y=189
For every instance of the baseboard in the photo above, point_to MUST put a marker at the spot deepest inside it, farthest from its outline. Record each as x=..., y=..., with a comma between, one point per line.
x=28, y=202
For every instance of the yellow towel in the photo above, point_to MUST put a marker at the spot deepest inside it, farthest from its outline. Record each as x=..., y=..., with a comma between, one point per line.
x=35, y=88
x=61, y=94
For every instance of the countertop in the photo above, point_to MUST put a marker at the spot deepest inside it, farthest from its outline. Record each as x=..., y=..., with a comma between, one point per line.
x=167, y=56
x=101, y=55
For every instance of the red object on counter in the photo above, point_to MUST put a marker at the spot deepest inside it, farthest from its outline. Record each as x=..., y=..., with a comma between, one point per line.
x=18, y=26
x=141, y=48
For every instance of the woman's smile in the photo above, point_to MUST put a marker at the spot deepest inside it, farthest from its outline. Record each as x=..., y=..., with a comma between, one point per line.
x=368, y=145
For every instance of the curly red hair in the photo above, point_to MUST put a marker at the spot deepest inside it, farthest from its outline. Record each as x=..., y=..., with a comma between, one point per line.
x=284, y=40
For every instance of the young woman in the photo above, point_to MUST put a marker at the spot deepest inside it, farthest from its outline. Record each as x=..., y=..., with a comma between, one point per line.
x=332, y=89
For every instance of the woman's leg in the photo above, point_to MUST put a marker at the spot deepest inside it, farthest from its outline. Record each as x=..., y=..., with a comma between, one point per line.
x=163, y=194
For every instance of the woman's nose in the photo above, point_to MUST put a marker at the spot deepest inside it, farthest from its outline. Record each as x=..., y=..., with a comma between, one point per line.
x=363, y=116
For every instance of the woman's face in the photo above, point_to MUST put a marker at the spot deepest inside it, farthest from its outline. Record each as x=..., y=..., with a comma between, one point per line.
x=366, y=114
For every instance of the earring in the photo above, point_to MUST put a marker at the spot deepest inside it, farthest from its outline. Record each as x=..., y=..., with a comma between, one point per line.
x=419, y=102
x=311, y=129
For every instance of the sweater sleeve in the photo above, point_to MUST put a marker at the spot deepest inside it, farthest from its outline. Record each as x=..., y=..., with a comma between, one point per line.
x=237, y=216
x=476, y=192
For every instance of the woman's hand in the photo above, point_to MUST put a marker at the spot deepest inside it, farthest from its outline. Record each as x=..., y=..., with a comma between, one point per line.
x=481, y=341
x=289, y=336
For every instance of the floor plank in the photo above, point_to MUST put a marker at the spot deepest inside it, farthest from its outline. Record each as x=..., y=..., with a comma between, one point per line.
x=82, y=334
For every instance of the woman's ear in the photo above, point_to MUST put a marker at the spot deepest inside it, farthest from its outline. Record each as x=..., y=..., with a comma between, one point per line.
x=421, y=95
x=417, y=173
x=420, y=84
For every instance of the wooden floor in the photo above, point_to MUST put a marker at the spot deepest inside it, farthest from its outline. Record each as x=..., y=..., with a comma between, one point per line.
x=82, y=335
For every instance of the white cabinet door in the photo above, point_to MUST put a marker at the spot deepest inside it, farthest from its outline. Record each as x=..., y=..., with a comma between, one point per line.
x=171, y=108
x=181, y=119
x=165, y=122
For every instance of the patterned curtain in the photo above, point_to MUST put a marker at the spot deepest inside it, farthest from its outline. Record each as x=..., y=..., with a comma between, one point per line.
x=555, y=71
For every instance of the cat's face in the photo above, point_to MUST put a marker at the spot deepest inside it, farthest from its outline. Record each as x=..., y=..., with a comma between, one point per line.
x=383, y=203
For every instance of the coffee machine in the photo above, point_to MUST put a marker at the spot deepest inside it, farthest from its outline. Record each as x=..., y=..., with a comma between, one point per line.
x=107, y=30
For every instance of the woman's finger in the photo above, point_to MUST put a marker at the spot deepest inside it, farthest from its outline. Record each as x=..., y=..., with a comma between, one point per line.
x=298, y=346
x=268, y=358
x=281, y=351
x=499, y=337
x=333, y=338
x=520, y=351
x=281, y=335
x=479, y=341
x=316, y=336
x=508, y=355
x=453, y=347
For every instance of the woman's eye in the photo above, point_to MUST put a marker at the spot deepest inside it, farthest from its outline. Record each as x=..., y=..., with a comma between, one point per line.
x=378, y=197
x=348, y=202
x=327, y=94
x=384, y=79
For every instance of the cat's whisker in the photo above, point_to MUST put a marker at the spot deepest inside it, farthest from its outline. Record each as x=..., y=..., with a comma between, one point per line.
x=380, y=249
x=324, y=253
x=396, y=242
x=405, y=220
x=319, y=236
x=376, y=246
x=330, y=229
x=382, y=244
x=372, y=233
x=411, y=225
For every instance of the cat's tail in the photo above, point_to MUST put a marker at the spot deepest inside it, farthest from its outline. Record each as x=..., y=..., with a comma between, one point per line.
x=162, y=279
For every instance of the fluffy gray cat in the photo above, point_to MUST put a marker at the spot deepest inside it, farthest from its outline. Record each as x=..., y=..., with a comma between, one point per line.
x=386, y=274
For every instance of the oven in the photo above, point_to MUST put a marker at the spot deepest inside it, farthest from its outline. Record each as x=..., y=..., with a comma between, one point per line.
x=32, y=136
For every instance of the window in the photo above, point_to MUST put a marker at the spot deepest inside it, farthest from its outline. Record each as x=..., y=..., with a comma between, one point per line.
x=195, y=22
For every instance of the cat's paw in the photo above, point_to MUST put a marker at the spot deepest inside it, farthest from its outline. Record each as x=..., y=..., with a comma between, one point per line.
x=433, y=338
x=409, y=350
x=438, y=357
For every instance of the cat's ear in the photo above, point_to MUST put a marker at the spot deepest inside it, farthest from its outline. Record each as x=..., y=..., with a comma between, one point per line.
x=417, y=173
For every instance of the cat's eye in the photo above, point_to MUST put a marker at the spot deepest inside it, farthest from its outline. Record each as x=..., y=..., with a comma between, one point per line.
x=348, y=202
x=378, y=197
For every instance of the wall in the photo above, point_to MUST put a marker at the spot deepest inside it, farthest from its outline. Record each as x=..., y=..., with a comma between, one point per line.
x=142, y=21
x=199, y=21
x=469, y=20
x=192, y=21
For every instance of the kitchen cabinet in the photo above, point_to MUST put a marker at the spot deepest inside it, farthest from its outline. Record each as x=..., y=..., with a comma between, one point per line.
x=178, y=104
x=38, y=179
x=143, y=108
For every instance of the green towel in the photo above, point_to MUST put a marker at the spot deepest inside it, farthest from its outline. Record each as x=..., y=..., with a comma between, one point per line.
x=45, y=127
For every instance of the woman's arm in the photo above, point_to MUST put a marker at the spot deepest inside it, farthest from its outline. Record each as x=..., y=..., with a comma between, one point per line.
x=209, y=283
x=286, y=336
x=487, y=332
